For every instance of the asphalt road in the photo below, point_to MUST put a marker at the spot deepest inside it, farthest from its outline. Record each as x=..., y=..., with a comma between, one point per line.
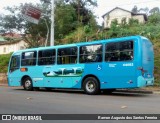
x=15, y=100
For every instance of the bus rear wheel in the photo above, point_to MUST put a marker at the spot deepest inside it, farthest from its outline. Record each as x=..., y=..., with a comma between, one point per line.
x=91, y=86
x=27, y=84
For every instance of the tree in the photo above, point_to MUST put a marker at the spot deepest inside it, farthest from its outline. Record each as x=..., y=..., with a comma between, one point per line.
x=65, y=20
x=11, y=22
x=34, y=34
x=82, y=7
x=154, y=10
x=133, y=22
x=145, y=10
x=124, y=22
x=154, y=19
x=135, y=9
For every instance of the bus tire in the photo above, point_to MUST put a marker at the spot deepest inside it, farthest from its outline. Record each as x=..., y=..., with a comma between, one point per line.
x=27, y=84
x=91, y=86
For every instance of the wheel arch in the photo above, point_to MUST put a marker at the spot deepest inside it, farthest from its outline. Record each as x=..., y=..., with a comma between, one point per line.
x=22, y=79
x=89, y=75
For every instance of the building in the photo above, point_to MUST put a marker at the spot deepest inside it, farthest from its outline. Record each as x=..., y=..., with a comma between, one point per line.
x=121, y=14
x=15, y=44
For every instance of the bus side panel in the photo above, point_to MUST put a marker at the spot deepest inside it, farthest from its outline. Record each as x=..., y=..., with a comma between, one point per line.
x=121, y=74
x=36, y=75
x=14, y=78
x=92, y=69
x=63, y=76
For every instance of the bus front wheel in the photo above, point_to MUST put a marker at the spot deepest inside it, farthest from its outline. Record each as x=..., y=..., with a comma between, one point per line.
x=91, y=86
x=27, y=84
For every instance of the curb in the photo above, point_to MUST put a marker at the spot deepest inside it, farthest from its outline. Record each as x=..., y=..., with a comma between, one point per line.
x=4, y=85
x=156, y=92
x=136, y=91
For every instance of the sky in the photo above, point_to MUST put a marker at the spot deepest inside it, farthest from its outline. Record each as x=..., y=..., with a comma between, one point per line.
x=103, y=5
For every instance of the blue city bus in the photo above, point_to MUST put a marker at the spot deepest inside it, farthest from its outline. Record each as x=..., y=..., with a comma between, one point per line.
x=110, y=64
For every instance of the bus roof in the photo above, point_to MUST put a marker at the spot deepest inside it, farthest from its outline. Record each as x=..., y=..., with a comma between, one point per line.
x=83, y=43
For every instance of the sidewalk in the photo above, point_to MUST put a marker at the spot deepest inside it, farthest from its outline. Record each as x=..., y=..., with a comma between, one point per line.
x=3, y=84
x=146, y=90
x=155, y=89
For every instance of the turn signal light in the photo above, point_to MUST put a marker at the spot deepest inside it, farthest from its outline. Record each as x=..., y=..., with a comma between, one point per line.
x=24, y=69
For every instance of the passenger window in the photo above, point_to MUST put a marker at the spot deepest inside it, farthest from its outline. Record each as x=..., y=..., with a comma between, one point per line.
x=91, y=53
x=29, y=58
x=67, y=55
x=119, y=51
x=46, y=57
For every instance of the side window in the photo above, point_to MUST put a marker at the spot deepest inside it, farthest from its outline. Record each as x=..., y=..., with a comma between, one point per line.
x=46, y=57
x=29, y=58
x=91, y=53
x=15, y=63
x=119, y=51
x=67, y=55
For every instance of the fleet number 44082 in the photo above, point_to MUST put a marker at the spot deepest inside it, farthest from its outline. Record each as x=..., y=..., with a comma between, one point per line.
x=128, y=64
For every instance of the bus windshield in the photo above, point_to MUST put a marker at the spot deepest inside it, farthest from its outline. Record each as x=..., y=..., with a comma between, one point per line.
x=15, y=63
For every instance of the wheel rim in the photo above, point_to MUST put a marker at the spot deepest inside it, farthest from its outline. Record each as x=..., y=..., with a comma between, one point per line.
x=27, y=83
x=90, y=86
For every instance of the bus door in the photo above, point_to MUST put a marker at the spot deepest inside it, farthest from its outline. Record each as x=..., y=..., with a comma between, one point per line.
x=14, y=70
x=120, y=67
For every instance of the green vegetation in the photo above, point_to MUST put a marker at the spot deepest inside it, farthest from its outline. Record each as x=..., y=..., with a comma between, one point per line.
x=4, y=60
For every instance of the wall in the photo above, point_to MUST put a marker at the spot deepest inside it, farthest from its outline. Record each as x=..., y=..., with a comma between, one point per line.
x=140, y=18
x=119, y=14
x=3, y=78
x=116, y=14
x=8, y=48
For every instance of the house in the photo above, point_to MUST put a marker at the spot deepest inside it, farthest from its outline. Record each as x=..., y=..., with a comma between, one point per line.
x=11, y=35
x=120, y=14
x=8, y=46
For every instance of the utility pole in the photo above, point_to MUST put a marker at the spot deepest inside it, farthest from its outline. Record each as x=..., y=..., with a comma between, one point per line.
x=52, y=25
x=78, y=18
x=78, y=11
